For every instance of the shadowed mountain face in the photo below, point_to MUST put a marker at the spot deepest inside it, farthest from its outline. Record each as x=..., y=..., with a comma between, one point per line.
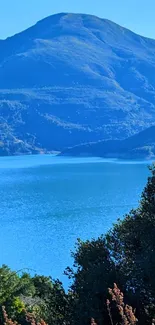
x=74, y=78
x=138, y=146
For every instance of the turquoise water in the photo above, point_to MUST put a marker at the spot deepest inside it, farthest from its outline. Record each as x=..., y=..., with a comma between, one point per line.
x=48, y=202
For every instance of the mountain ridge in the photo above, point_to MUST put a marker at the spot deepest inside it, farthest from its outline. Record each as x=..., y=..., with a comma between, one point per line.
x=62, y=14
x=141, y=145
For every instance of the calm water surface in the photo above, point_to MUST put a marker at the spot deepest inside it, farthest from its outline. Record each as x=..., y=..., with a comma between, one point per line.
x=47, y=202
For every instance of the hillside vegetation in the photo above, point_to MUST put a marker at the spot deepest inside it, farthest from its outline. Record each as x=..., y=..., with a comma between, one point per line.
x=141, y=146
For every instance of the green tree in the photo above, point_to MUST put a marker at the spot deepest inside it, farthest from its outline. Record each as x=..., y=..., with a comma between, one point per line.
x=39, y=295
x=94, y=272
x=54, y=297
x=132, y=245
x=126, y=255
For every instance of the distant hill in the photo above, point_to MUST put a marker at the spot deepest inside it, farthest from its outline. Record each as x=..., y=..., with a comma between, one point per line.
x=74, y=78
x=141, y=145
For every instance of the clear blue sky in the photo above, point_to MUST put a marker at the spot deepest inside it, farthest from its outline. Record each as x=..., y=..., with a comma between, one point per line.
x=137, y=15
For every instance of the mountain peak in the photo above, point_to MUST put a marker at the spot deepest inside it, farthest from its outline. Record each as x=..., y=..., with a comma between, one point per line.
x=54, y=19
x=79, y=24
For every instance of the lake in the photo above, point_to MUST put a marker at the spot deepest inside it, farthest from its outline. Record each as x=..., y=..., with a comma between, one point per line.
x=47, y=202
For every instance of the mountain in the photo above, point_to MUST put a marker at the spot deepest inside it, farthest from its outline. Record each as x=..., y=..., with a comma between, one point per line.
x=141, y=145
x=74, y=78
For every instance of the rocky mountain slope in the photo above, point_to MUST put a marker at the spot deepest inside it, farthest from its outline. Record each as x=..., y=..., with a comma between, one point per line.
x=74, y=78
x=141, y=145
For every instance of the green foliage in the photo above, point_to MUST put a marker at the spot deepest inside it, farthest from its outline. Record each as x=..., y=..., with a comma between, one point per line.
x=132, y=245
x=94, y=273
x=39, y=295
x=126, y=255
x=17, y=305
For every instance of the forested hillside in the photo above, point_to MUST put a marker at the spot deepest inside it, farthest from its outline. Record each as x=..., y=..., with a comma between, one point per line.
x=72, y=79
x=138, y=146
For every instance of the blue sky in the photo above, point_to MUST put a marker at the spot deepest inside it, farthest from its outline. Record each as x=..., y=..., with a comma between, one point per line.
x=137, y=15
